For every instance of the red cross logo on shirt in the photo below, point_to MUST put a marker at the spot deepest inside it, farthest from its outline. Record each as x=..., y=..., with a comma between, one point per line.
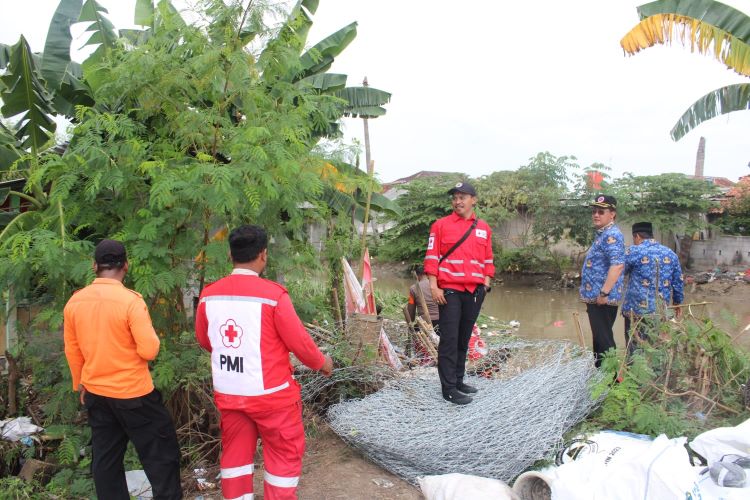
x=231, y=334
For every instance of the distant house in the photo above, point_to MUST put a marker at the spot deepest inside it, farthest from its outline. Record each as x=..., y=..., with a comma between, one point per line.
x=722, y=183
x=393, y=190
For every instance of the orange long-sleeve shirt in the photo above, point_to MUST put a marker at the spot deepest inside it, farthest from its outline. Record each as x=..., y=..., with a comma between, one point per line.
x=109, y=340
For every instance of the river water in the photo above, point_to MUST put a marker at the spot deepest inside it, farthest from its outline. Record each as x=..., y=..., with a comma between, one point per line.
x=548, y=314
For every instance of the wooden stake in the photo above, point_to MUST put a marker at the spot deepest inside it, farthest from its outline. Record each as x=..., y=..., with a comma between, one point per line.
x=577, y=324
x=410, y=332
x=424, y=337
x=420, y=297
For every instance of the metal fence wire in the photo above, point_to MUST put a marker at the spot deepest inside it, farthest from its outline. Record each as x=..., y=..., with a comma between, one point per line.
x=530, y=394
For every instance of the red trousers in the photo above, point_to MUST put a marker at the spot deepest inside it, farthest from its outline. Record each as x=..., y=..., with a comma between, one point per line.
x=283, y=437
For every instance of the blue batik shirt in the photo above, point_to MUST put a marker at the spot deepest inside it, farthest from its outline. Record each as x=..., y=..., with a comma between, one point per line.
x=645, y=264
x=607, y=250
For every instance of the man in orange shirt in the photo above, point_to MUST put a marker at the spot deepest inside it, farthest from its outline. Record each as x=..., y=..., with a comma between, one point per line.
x=109, y=340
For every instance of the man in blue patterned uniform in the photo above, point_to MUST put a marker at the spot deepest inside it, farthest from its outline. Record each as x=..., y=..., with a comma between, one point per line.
x=601, y=276
x=649, y=266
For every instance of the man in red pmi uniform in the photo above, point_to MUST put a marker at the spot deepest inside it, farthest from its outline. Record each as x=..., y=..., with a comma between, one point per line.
x=459, y=281
x=249, y=326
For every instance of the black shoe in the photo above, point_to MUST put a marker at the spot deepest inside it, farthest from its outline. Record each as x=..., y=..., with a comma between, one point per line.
x=456, y=397
x=466, y=388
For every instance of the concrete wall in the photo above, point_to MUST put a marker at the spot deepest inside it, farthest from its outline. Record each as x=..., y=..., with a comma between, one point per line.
x=723, y=251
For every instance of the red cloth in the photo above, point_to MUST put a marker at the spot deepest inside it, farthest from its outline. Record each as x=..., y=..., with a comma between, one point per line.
x=467, y=266
x=595, y=179
x=283, y=437
x=249, y=325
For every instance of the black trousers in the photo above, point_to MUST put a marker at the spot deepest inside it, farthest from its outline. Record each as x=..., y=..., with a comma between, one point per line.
x=457, y=318
x=147, y=423
x=601, y=319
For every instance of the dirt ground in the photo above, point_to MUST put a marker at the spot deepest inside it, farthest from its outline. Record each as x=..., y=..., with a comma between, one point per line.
x=331, y=471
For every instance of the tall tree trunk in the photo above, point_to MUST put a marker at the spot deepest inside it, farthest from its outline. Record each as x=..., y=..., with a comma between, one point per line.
x=370, y=174
x=367, y=135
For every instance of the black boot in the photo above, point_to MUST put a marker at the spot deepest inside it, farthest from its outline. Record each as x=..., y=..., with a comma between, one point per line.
x=456, y=397
x=466, y=388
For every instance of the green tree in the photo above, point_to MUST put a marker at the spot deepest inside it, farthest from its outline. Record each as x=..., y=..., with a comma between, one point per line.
x=672, y=202
x=423, y=202
x=735, y=218
x=185, y=135
x=710, y=28
x=536, y=194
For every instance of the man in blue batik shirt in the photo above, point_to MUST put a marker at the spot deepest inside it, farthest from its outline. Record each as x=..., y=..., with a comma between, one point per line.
x=601, y=276
x=649, y=266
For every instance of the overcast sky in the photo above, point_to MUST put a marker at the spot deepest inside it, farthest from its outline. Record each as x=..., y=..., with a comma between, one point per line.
x=483, y=85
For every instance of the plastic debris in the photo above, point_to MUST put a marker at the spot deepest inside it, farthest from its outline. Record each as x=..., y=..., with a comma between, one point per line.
x=15, y=429
x=383, y=483
x=138, y=484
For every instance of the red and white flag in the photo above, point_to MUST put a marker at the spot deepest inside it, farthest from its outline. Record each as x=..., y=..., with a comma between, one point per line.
x=354, y=298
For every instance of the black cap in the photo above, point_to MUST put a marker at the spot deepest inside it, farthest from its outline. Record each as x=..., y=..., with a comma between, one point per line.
x=110, y=252
x=643, y=227
x=604, y=201
x=463, y=187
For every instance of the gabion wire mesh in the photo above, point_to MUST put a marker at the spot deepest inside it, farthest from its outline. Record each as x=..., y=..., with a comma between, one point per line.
x=535, y=393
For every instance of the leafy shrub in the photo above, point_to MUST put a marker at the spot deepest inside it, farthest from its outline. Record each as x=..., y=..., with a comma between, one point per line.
x=688, y=377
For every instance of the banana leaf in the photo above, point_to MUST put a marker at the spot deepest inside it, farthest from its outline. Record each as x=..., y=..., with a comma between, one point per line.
x=321, y=55
x=56, y=55
x=101, y=29
x=718, y=102
x=4, y=55
x=325, y=82
x=144, y=13
x=705, y=26
x=25, y=95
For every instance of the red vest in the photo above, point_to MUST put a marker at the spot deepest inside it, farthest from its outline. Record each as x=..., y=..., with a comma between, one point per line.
x=467, y=266
x=249, y=326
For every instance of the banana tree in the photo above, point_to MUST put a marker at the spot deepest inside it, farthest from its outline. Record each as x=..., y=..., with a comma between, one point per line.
x=365, y=102
x=708, y=27
x=34, y=89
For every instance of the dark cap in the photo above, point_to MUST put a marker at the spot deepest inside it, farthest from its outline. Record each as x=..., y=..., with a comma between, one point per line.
x=110, y=252
x=463, y=187
x=643, y=227
x=604, y=201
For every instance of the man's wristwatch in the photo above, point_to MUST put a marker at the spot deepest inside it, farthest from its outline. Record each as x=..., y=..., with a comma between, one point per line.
x=602, y=293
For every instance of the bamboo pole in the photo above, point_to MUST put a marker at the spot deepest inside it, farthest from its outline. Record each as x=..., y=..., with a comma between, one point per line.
x=577, y=324
x=370, y=174
x=420, y=297
x=424, y=338
x=410, y=331
x=688, y=305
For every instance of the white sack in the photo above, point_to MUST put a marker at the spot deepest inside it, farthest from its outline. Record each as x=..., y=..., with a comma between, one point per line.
x=714, y=444
x=464, y=487
x=624, y=466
